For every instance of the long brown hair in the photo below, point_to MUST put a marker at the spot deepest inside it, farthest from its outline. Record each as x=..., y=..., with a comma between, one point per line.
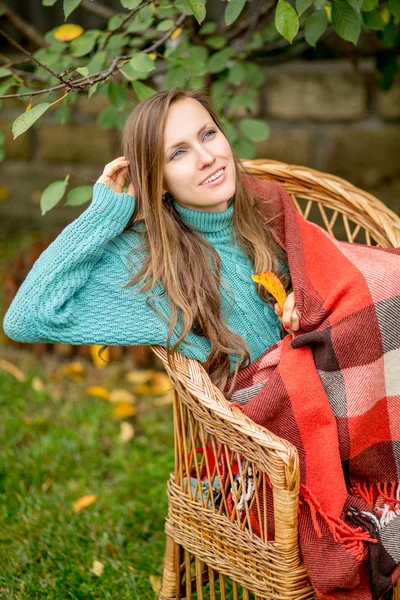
x=177, y=256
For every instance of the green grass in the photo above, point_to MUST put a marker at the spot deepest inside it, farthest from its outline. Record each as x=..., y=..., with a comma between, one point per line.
x=57, y=447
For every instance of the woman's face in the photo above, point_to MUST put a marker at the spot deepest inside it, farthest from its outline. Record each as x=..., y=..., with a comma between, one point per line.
x=194, y=148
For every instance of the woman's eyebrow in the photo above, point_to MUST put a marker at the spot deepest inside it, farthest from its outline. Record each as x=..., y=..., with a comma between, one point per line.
x=179, y=143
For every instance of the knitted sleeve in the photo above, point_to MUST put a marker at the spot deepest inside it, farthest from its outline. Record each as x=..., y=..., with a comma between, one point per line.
x=74, y=292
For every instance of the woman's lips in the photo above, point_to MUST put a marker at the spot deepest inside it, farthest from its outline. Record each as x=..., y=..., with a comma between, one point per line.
x=217, y=181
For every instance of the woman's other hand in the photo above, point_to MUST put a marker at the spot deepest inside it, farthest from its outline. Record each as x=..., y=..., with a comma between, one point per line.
x=288, y=317
x=115, y=175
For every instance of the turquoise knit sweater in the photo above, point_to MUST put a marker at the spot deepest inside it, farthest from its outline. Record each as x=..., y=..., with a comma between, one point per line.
x=74, y=292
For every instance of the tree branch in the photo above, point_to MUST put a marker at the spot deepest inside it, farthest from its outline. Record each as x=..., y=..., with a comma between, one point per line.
x=98, y=9
x=121, y=26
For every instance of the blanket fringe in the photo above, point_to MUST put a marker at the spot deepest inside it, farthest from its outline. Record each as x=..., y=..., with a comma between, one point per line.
x=372, y=493
x=353, y=539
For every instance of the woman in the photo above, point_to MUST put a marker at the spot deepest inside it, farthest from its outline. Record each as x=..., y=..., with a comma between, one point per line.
x=170, y=261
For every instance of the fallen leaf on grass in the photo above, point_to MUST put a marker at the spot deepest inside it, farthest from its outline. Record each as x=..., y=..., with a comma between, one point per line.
x=74, y=370
x=127, y=432
x=84, y=502
x=97, y=568
x=165, y=399
x=37, y=384
x=124, y=409
x=138, y=377
x=155, y=582
x=6, y=365
x=121, y=395
x=99, y=391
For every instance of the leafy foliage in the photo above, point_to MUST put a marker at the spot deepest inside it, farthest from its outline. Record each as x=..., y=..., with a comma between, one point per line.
x=146, y=43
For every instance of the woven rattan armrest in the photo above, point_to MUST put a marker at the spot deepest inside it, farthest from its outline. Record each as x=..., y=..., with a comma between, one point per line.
x=275, y=456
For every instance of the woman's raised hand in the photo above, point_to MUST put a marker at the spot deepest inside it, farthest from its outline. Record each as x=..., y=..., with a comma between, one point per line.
x=115, y=175
x=288, y=317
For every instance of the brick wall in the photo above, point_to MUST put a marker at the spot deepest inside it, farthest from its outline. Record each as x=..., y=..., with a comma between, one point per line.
x=326, y=115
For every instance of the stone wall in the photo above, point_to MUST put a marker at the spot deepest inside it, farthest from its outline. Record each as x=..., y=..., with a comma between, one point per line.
x=327, y=115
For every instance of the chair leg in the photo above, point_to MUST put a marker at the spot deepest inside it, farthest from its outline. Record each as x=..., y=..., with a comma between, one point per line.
x=171, y=581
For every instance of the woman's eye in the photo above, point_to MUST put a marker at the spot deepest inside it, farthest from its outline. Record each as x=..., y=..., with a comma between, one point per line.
x=178, y=151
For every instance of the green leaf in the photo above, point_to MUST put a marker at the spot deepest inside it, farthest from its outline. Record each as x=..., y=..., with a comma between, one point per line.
x=143, y=19
x=176, y=77
x=244, y=148
x=165, y=25
x=6, y=85
x=368, y=5
x=92, y=90
x=84, y=71
x=302, y=6
x=27, y=119
x=97, y=62
x=63, y=114
x=207, y=28
x=233, y=10
x=255, y=129
x=70, y=6
x=79, y=195
x=345, y=21
x=53, y=194
x=315, y=26
x=255, y=75
x=219, y=60
x=356, y=4
x=237, y=74
x=199, y=9
x=48, y=2
x=84, y=43
x=216, y=42
x=394, y=7
x=373, y=20
x=142, y=91
x=117, y=94
x=130, y=4
x=110, y=117
x=142, y=62
x=5, y=72
x=286, y=20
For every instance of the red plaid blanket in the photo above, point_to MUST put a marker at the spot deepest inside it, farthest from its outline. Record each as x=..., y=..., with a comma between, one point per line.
x=333, y=390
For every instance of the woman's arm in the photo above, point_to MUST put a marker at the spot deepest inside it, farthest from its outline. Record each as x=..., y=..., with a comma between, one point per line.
x=74, y=292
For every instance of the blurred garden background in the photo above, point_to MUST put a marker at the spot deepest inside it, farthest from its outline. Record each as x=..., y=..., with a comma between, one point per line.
x=86, y=444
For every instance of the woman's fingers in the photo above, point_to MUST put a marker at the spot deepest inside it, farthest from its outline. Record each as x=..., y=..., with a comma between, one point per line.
x=288, y=316
x=112, y=175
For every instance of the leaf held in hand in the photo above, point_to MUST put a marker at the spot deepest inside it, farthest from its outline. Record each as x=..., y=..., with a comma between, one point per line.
x=273, y=285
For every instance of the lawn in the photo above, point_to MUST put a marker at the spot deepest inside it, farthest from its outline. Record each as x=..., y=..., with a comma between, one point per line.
x=58, y=444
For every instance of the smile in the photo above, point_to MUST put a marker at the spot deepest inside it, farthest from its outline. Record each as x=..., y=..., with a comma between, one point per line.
x=219, y=177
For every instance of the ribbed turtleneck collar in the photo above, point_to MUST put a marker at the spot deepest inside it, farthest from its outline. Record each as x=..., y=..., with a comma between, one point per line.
x=206, y=222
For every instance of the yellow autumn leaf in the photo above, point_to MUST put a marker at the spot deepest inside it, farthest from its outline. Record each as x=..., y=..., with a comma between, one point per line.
x=4, y=193
x=6, y=365
x=176, y=33
x=138, y=377
x=144, y=389
x=121, y=395
x=124, y=409
x=153, y=55
x=68, y=32
x=160, y=384
x=37, y=384
x=328, y=11
x=127, y=432
x=273, y=285
x=99, y=363
x=99, y=391
x=74, y=370
x=385, y=14
x=97, y=568
x=84, y=502
x=155, y=582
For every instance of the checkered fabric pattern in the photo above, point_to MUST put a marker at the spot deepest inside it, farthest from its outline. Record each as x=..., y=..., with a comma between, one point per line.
x=333, y=390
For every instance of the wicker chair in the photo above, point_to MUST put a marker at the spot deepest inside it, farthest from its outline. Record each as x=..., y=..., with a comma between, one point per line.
x=212, y=551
